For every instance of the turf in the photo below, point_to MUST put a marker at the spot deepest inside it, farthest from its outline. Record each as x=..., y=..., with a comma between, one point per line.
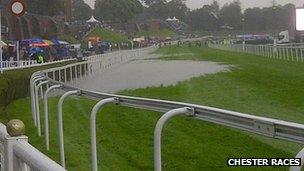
x=254, y=85
x=125, y=139
x=110, y=36
x=157, y=33
x=68, y=38
x=14, y=84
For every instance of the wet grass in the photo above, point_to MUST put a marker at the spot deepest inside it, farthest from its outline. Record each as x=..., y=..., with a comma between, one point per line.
x=157, y=33
x=125, y=139
x=255, y=85
x=14, y=84
x=108, y=35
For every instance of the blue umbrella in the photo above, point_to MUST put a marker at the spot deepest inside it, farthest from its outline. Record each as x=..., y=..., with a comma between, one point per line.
x=27, y=42
x=35, y=50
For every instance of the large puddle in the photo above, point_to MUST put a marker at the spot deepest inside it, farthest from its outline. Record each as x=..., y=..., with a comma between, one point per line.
x=147, y=73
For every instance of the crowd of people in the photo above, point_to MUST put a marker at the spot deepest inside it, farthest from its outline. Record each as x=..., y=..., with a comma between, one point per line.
x=39, y=53
x=9, y=53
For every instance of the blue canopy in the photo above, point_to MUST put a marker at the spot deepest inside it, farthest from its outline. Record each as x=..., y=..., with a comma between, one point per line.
x=35, y=50
x=27, y=42
x=55, y=41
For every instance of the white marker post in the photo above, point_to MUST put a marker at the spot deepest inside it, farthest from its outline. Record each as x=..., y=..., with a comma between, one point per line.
x=18, y=53
x=1, y=59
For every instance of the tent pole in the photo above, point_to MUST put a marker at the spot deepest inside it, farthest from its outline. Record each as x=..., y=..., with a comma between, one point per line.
x=1, y=59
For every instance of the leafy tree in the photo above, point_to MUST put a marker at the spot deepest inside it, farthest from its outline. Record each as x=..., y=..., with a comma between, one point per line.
x=158, y=10
x=253, y=19
x=231, y=14
x=275, y=18
x=153, y=2
x=162, y=9
x=45, y=7
x=82, y=10
x=177, y=8
x=205, y=18
x=117, y=10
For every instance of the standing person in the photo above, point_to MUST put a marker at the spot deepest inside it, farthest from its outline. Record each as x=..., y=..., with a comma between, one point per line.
x=22, y=52
x=53, y=54
x=11, y=55
x=40, y=58
x=5, y=53
x=110, y=47
x=25, y=54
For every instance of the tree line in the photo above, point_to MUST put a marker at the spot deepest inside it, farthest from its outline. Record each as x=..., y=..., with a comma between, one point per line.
x=210, y=17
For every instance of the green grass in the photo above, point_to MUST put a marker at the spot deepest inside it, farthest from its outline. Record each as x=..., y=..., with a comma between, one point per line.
x=255, y=85
x=68, y=38
x=157, y=33
x=108, y=35
x=125, y=139
x=14, y=85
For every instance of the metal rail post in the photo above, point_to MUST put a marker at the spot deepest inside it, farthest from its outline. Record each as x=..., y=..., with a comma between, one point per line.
x=37, y=105
x=158, y=132
x=292, y=53
x=65, y=75
x=287, y=54
x=60, y=124
x=34, y=76
x=34, y=96
x=299, y=155
x=301, y=52
x=297, y=56
x=46, y=114
x=71, y=75
x=53, y=75
x=93, y=130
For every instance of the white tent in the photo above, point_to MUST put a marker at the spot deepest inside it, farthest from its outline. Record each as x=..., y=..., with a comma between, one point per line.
x=169, y=19
x=175, y=19
x=93, y=20
x=63, y=42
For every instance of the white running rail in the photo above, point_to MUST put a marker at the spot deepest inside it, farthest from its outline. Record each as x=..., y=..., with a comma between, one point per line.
x=12, y=64
x=289, y=52
x=15, y=65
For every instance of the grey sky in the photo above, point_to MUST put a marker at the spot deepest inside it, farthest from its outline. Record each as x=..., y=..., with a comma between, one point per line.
x=245, y=3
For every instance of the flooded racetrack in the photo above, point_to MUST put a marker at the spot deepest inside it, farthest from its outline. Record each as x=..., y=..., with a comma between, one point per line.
x=147, y=73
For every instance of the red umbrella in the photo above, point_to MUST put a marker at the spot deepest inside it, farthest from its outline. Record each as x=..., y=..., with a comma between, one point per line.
x=39, y=45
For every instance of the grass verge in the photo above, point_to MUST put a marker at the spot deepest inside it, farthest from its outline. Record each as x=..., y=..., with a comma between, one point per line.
x=108, y=35
x=157, y=33
x=14, y=85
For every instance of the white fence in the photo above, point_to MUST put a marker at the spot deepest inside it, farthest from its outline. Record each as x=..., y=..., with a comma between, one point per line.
x=16, y=154
x=12, y=64
x=15, y=65
x=289, y=52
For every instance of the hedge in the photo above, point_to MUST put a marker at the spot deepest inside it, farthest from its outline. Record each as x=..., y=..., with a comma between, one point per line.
x=15, y=85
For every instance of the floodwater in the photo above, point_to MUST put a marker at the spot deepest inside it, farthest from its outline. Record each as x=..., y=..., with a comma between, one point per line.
x=147, y=73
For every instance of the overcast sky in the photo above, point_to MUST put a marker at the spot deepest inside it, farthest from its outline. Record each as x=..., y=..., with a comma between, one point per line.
x=245, y=3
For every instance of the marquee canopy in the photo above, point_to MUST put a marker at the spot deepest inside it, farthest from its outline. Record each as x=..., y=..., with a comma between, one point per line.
x=93, y=20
